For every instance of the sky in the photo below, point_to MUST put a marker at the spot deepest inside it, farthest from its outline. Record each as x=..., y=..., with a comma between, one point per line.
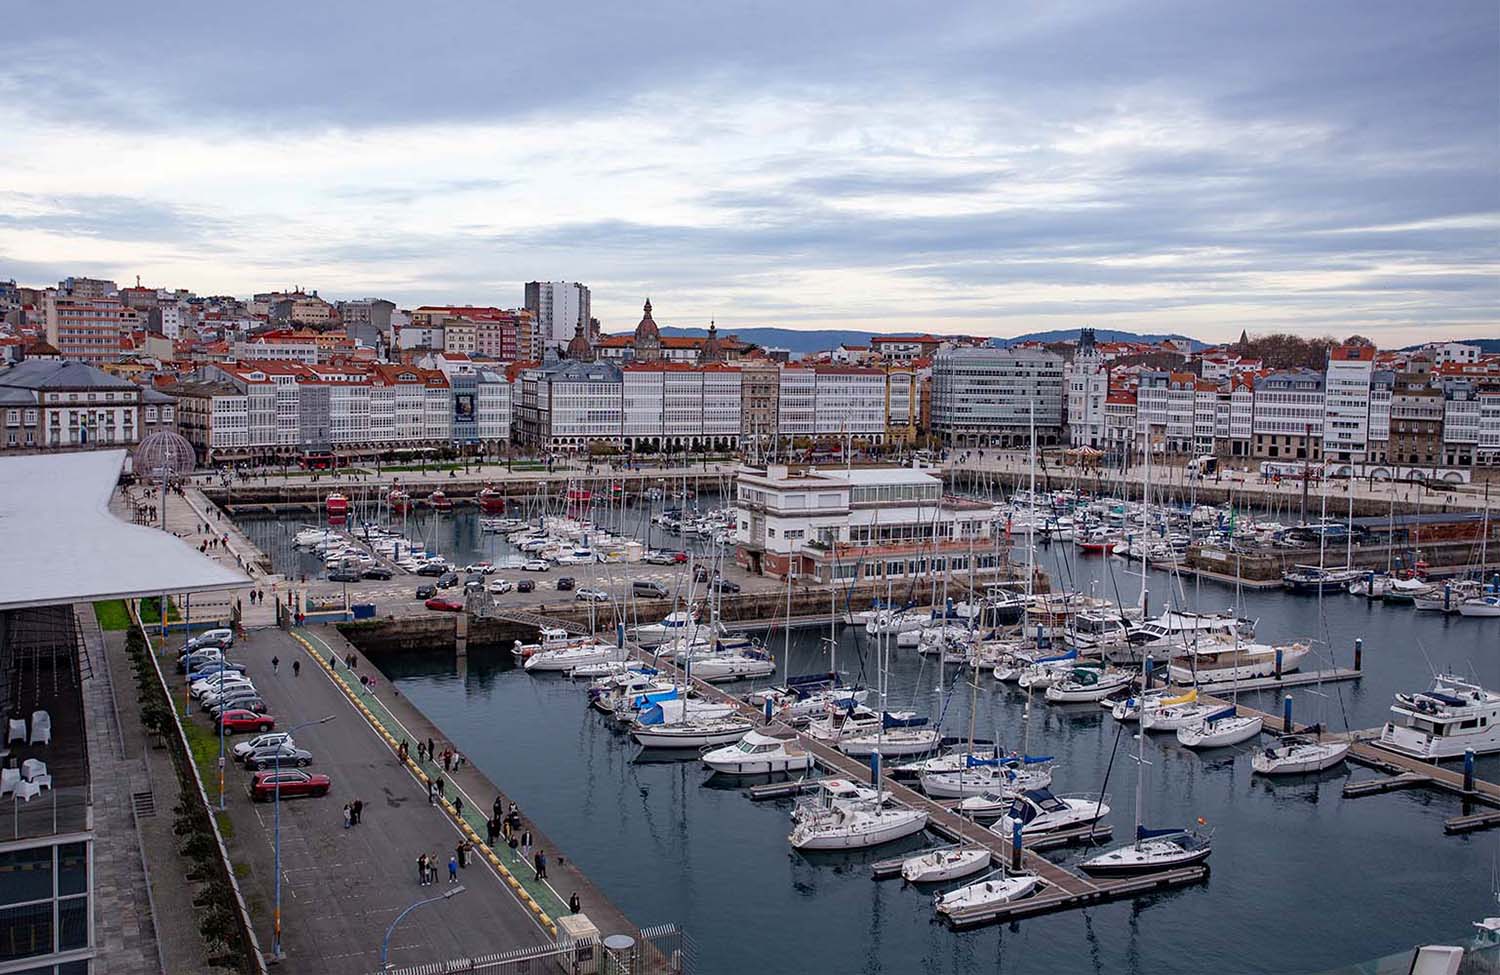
x=990, y=168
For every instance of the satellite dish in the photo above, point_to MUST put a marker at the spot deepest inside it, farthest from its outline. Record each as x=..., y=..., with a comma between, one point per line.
x=164, y=455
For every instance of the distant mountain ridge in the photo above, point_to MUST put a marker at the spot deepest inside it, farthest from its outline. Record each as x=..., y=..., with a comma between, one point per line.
x=805, y=341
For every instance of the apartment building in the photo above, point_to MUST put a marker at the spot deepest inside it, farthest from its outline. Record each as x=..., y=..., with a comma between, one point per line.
x=559, y=308
x=1087, y=378
x=85, y=329
x=1288, y=419
x=1346, y=403
x=1417, y=410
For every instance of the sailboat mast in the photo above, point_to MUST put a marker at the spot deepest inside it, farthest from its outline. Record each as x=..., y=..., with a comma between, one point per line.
x=1140, y=770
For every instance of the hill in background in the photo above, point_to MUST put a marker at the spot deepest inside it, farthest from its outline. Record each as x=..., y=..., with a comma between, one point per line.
x=805, y=341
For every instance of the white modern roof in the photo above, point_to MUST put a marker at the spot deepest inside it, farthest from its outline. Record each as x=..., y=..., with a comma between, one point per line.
x=59, y=542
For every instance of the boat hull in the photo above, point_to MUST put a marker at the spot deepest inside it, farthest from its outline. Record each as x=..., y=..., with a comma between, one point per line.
x=1100, y=867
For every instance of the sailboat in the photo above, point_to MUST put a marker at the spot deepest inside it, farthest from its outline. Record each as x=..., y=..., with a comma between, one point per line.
x=1000, y=887
x=1153, y=849
x=1299, y=754
x=950, y=863
x=1226, y=726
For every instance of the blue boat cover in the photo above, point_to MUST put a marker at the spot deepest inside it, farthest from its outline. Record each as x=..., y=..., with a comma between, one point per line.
x=1142, y=833
x=805, y=680
x=1228, y=712
x=651, y=715
x=889, y=720
x=1070, y=655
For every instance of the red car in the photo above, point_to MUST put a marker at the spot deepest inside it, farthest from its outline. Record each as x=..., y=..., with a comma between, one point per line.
x=679, y=557
x=293, y=783
x=243, y=719
x=446, y=605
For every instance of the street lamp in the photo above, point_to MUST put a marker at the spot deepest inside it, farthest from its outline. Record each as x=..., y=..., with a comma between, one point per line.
x=276, y=917
x=385, y=944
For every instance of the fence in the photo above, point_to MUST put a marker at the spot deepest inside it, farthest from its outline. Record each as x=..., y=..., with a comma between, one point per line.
x=661, y=950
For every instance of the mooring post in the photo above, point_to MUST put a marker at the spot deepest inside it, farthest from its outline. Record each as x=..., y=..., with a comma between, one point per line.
x=1286, y=714
x=1468, y=770
x=1015, y=846
x=1278, y=663
x=1359, y=652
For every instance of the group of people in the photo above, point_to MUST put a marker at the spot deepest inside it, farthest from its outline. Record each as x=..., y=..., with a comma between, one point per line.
x=352, y=812
x=427, y=869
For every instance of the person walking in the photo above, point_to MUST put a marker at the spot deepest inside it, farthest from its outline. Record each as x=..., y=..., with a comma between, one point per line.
x=491, y=829
x=275, y=664
x=498, y=806
x=458, y=806
x=440, y=787
x=526, y=843
x=574, y=904
x=430, y=752
x=463, y=859
x=541, y=864
x=348, y=816
x=514, y=842
x=296, y=668
x=453, y=869
x=358, y=809
x=431, y=793
x=422, y=869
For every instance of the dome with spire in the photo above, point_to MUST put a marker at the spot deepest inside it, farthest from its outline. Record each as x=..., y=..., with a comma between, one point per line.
x=647, y=336
x=579, y=347
x=713, y=349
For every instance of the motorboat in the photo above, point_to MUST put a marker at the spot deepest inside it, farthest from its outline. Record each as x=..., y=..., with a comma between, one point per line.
x=1176, y=630
x=550, y=638
x=994, y=891
x=1487, y=605
x=1298, y=755
x=758, y=753
x=951, y=760
x=440, y=501
x=889, y=621
x=337, y=505
x=1088, y=684
x=1099, y=541
x=670, y=627
x=1153, y=850
x=857, y=826
x=1406, y=590
x=1450, y=717
x=938, y=866
x=932, y=635
x=1224, y=661
x=1446, y=598
x=844, y=721
x=491, y=501
x=309, y=537
x=692, y=733
x=1038, y=811
x=897, y=735
x=1220, y=729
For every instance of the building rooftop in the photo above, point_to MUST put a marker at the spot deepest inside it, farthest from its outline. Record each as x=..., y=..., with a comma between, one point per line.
x=59, y=374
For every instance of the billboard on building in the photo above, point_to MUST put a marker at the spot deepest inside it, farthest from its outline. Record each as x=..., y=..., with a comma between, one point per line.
x=463, y=406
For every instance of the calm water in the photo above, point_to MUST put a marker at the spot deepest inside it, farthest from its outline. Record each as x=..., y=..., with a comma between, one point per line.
x=1303, y=879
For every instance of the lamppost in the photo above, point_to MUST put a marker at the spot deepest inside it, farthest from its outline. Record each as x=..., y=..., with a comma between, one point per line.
x=276, y=829
x=385, y=944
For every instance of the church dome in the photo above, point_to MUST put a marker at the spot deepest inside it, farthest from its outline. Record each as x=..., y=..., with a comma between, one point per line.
x=647, y=329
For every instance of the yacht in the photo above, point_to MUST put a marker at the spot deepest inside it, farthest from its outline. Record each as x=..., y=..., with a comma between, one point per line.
x=1220, y=729
x=1175, y=630
x=1018, y=662
x=551, y=638
x=1446, y=598
x=578, y=655
x=1486, y=605
x=897, y=735
x=1010, y=776
x=732, y=665
x=1222, y=661
x=805, y=697
x=856, y=826
x=1445, y=720
x=759, y=753
x=1131, y=708
x=1315, y=579
x=1179, y=714
x=843, y=721
x=897, y=622
x=1039, y=811
x=1088, y=684
x=672, y=626
x=993, y=891
x=1153, y=850
x=938, y=866
x=691, y=733
x=1298, y=755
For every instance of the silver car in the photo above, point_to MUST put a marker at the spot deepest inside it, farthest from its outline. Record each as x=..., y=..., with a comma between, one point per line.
x=289, y=755
x=270, y=739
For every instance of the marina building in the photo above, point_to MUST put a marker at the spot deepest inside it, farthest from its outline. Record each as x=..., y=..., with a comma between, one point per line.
x=987, y=396
x=872, y=522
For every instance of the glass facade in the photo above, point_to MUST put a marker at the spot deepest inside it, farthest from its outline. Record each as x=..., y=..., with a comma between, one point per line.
x=44, y=904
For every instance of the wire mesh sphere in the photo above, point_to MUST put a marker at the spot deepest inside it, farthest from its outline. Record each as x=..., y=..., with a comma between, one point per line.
x=164, y=454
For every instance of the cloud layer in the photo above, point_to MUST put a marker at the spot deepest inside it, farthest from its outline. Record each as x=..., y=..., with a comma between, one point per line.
x=983, y=168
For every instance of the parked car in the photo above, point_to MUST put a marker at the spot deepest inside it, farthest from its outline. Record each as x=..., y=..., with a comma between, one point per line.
x=700, y=574
x=592, y=595
x=536, y=565
x=228, y=692
x=525, y=585
x=239, y=702
x=243, y=719
x=243, y=748
x=483, y=568
x=215, y=683
x=213, y=668
x=649, y=589
x=432, y=569
x=344, y=575
x=565, y=583
x=679, y=557
x=376, y=572
x=287, y=755
x=724, y=585
x=447, y=580
x=194, y=660
x=427, y=591
x=291, y=783
x=500, y=586
x=444, y=604
x=212, y=638
x=659, y=558
x=473, y=585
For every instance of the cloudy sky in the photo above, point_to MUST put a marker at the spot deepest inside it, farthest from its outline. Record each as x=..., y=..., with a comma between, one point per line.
x=992, y=168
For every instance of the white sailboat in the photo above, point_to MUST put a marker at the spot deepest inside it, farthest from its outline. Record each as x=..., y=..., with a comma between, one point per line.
x=937, y=866
x=1298, y=755
x=995, y=890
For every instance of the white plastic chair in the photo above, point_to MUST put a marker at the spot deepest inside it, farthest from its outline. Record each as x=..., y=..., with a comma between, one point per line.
x=17, y=731
x=33, y=767
x=9, y=779
x=27, y=791
x=41, y=728
x=42, y=781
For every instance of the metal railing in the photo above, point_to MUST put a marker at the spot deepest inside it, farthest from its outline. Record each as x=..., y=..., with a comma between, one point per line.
x=661, y=950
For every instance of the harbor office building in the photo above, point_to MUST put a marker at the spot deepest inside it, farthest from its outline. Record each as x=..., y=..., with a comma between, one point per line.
x=860, y=523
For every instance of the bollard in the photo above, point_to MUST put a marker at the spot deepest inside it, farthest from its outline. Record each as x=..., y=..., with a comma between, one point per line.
x=1286, y=714
x=1278, y=663
x=1148, y=674
x=875, y=769
x=1447, y=598
x=768, y=710
x=620, y=635
x=1015, y=846
x=1468, y=770
x=1359, y=652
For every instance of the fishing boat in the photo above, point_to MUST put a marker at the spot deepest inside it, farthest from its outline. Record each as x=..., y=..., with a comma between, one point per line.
x=1038, y=811
x=1450, y=717
x=758, y=753
x=938, y=866
x=998, y=889
x=1220, y=729
x=1298, y=755
x=399, y=501
x=1088, y=684
x=440, y=501
x=336, y=505
x=491, y=502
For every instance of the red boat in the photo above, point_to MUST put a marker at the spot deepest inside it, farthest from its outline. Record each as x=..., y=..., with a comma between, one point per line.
x=491, y=502
x=440, y=501
x=1098, y=544
x=336, y=505
x=399, y=501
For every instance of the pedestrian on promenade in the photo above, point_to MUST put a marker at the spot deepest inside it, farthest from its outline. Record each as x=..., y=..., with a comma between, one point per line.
x=431, y=793
x=514, y=842
x=458, y=806
x=333, y=658
x=401, y=750
x=526, y=843
x=453, y=870
x=275, y=664
x=430, y=752
x=458, y=851
x=421, y=752
x=296, y=668
x=458, y=760
x=574, y=904
x=440, y=786
x=491, y=829
x=541, y=864
x=498, y=806
x=348, y=816
x=422, y=869
x=447, y=760
x=358, y=808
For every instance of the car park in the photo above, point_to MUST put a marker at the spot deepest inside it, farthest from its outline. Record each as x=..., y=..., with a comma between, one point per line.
x=376, y=572
x=242, y=719
x=447, y=580
x=291, y=783
x=565, y=583
x=592, y=595
x=444, y=604
x=268, y=757
x=243, y=748
x=525, y=585
x=500, y=586
x=344, y=575
x=536, y=565
x=427, y=591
